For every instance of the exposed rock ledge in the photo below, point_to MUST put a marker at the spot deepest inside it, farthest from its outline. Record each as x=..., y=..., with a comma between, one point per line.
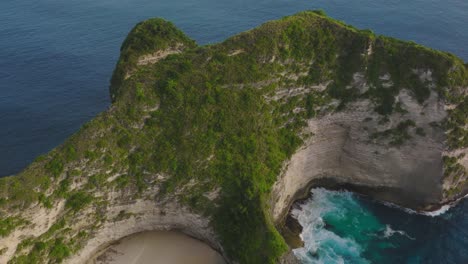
x=158, y=55
x=340, y=154
x=147, y=215
x=341, y=149
x=125, y=217
x=155, y=57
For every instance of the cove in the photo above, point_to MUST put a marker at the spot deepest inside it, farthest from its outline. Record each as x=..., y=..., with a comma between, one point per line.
x=158, y=247
x=344, y=227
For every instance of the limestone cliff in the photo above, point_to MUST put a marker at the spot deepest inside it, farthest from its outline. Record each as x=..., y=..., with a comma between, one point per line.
x=219, y=140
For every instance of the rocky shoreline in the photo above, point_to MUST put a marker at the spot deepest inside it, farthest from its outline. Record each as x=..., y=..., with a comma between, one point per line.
x=291, y=229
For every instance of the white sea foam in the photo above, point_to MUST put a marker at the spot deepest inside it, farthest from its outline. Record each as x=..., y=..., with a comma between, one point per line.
x=339, y=228
x=320, y=244
x=390, y=232
x=442, y=210
x=406, y=210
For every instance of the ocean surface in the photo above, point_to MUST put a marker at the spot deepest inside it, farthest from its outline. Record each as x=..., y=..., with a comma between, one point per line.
x=56, y=59
x=342, y=227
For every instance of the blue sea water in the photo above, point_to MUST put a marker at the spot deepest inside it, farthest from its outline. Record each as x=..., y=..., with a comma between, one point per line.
x=342, y=227
x=56, y=58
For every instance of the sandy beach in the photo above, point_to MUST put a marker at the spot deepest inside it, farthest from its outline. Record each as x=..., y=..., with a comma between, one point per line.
x=161, y=247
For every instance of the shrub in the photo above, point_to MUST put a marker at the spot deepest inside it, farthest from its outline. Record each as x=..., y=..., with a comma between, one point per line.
x=78, y=201
x=59, y=251
x=70, y=153
x=55, y=166
x=420, y=131
x=8, y=224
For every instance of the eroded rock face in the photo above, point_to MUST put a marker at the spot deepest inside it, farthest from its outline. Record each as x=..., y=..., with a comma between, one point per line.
x=124, y=216
x=342, y=148
x=41, y=219
x=154, y=57
x=146, y=215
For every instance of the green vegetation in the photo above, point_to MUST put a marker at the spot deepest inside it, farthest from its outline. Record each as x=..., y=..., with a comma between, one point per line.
x=213, y=117
x=54, y=250
x=457, y=125
x=453, y=168
x=145, y=38
x=52, y=246
x=8, y=224
x=59, y=251
x=55, y=166
x=46, y=201
x=78, y=200
x=397, y=135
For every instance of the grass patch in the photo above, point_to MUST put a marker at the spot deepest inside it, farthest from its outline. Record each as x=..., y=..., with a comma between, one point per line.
x=78, y=201
x=8, y=224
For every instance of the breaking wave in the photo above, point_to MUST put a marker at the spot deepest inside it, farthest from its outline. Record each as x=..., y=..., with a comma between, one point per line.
x=337, y=228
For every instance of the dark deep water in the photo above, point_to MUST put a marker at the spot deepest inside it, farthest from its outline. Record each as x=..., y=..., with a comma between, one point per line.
x=56, y=58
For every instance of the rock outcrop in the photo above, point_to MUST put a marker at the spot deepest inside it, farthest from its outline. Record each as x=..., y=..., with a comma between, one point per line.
x=343, y=151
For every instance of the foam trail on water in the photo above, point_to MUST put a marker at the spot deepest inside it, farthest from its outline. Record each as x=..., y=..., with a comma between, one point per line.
x=442, y=210
x=390, y=232
x=406, y=210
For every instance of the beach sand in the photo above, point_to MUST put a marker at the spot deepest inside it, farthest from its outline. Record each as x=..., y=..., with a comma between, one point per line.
x=161, y=247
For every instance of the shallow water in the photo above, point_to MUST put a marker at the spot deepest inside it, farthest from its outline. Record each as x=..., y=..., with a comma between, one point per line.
x=162, y=247
x=342, y=227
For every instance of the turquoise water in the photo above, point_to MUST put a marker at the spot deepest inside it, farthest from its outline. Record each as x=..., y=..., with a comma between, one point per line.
x=342, y=227
x=56, y=58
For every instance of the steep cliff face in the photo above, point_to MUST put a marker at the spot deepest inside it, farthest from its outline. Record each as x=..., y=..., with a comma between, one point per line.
x=218, y=140
x=345, y=150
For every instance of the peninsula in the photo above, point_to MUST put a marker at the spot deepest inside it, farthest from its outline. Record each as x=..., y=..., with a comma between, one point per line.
x=218, y=141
